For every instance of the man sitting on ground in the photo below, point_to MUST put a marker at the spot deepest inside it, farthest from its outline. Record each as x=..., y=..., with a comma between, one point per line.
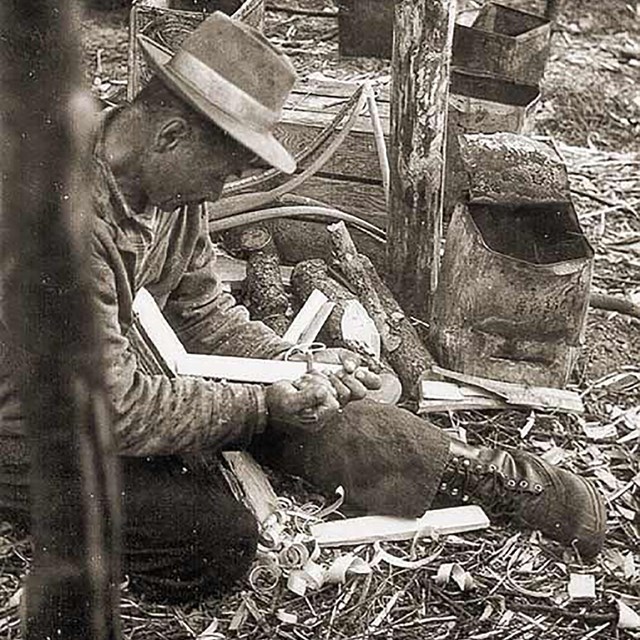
x=209, y=111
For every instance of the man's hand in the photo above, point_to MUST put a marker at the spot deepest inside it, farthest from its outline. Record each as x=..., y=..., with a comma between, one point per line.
x=355, y=379
x=306, y=403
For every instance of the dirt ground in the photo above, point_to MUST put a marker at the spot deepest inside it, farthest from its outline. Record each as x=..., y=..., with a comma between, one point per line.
x=590, y=105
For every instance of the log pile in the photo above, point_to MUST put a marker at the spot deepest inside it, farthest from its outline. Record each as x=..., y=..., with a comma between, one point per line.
x=350, y=277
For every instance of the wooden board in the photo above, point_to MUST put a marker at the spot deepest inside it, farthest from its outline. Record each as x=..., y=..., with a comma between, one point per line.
x=360, y=198
x=520, y=394
x=369, y=529
x=256, y=490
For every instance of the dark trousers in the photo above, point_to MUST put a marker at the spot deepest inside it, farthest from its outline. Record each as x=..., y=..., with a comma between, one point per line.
x=185, y=535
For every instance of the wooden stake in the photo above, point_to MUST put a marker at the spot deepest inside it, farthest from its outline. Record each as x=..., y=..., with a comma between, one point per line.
x=419, y=101
x=552, y=9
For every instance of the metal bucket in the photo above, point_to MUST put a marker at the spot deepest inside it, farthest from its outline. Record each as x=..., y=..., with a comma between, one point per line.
x=503, y=42
x=513, y=293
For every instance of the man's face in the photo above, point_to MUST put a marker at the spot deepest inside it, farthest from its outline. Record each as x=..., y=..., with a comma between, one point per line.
x=190, y=164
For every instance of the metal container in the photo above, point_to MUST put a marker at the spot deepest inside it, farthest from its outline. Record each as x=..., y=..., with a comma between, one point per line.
x=514, y=293
x=503, y=42
x=365, y=28
x=515, y=276
x=499, y=40
x=480, y=104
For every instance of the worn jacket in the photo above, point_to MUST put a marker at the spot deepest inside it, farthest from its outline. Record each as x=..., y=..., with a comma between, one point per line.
x=170, y=254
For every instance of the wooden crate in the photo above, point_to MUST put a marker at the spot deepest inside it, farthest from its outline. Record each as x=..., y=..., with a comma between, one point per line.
x=169, y=27
x=351, y=180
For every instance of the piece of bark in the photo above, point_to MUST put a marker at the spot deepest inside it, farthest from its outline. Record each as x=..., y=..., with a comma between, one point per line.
x=401, y=346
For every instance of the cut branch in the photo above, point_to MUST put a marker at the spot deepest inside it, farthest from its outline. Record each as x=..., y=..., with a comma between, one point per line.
x=401, y=346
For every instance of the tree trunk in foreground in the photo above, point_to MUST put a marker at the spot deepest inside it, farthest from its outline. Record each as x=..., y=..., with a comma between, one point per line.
x=72, y=589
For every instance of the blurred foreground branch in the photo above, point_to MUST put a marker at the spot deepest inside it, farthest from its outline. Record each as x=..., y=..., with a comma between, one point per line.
x=46, y=308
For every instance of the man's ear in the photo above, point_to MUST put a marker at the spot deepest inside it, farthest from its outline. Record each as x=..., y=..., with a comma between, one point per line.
x=170, y=134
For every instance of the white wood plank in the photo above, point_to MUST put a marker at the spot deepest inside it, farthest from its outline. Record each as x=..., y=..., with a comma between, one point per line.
x=369, y=529
x=253, y=370
x=314, y=306
x=158, y=329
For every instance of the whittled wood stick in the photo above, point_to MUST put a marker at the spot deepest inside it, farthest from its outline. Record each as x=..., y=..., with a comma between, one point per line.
x=401, y=346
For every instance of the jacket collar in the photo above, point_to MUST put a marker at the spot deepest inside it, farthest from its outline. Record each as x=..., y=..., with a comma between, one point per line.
x=107, y=194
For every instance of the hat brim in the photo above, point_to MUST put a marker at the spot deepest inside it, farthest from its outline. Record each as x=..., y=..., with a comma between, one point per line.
x=262, y=143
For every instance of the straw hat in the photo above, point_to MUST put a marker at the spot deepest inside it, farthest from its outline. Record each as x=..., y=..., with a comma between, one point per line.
x=235, y=77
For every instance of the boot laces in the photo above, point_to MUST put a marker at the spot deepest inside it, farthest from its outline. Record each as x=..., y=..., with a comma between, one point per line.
x=501, y=496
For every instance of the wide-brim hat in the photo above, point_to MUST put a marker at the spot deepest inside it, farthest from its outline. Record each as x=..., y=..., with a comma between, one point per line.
x=233, y=76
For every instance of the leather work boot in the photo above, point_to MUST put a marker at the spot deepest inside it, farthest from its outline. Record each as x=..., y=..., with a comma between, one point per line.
x=528, y=492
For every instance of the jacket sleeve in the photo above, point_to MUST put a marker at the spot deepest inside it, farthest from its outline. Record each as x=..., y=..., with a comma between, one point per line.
x=155, y=414
x=208, y=319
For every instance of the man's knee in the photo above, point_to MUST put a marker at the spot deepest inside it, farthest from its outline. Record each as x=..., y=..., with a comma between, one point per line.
x=228, y=552
x=185, y=535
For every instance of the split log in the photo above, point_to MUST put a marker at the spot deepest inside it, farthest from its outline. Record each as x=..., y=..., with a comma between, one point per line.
x=419, y=104
x=299, y=240
x=313, y=274
x=401, y=346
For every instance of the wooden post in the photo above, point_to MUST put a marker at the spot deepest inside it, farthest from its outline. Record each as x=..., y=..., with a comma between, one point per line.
x=552, y=9
x=72, y=589
x=423, y=36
